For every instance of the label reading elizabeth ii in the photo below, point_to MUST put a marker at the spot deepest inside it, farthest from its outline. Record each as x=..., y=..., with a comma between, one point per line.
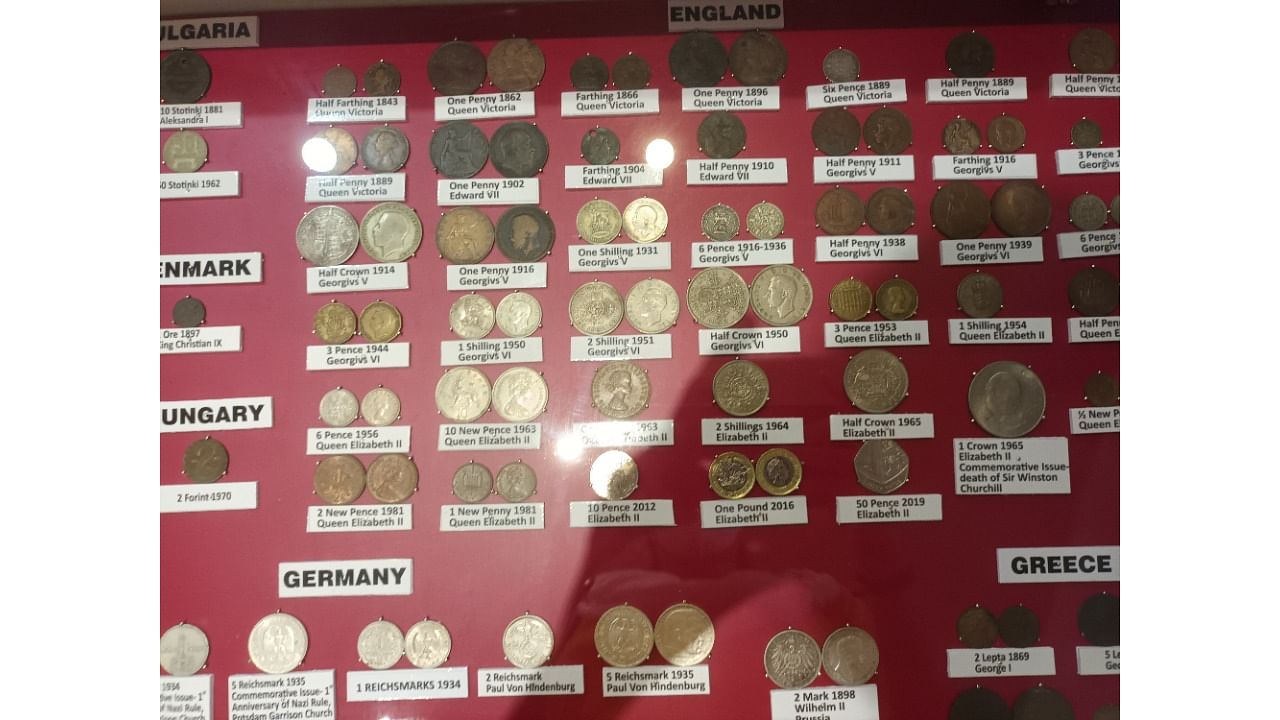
x=1093, y=329
x=656, y=680
x=245, y=413
x=358, y=355
x=297, y=694
x=749, y=341
x=832, y=703
x=186, y=698
x=199, y=185
x=383, y=187
x=597, y=103
x=211, y=269
x=853, y=168
x=383, y=109
x=480, y=106
x=882, y=426
x=359, y=518
x=733, y=99
x=357, y=278
x=178, y=341
x=998, y=662
x=490, y=436
x=761, y=171
x=499, y=276
x=875, y=333
x=546, y=680
x=1089, y=563
x=789, y=510
x=481, y=517
x=993, y=89
x=1094, y=420
x=443, y=683
x=1088, y=162
x=621, y=513
x=866, y=248
x=1028, y=466
x=346, y=578
x=358, y=440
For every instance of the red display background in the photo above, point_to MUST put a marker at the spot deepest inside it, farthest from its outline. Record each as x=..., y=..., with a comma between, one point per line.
x=904, y=582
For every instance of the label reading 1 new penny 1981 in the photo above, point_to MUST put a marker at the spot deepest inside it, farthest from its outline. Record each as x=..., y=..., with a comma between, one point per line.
x=743, y=252
x=201, y=115
x=888, y=508
x=1000, y=662
x=882, y=426
x=485, y=105
x=357, y=356
x=546, y=680
x=749, y=341
x=656, y=680
x=834, y=702
x=866, y=248
x=756, y=171
x=1093, y=329
x=789, y=510
x=481, y=517
x=498, y=276
x=1027, y=466
x=358, y=440
x=490, y=436
x=443, y=683
x=999, y=331
x=1088, y=162
x=600, y=348
x=177, y=341
x=634, y=175
x=359, y=518
x=383, y=109
x=208, y=498
x=626, y=433
x=491, y=352
x=1084, y=85
x=186, y=698
x=1094, y=420
x=859, y=168
x=733, y=99
x=866, y=92
x=985, y=167
x=384, y=187
x=485, y=191
x=991, y=251
x=600, y=103
x=615, y=257
x=252, y=697
x=989, y=89
x=1092, y=660
x=753, y=431
x=621, y=513
x=1089, y=244
x=875, y=333
x=199, y=185
x=357, y=278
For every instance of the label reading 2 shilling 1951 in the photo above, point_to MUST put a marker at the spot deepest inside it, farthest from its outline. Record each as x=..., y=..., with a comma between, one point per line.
x=601, y=103
x=1084, y=85
x=357, y=278
x=991, y=251
x=254, y=697
x=1026, y=466
x=186, y=697
x=866, y=248
x=382, y=109
x=488, y=191
x=359, y=518
x=175, y=186
x=481, y=106
x=243, y=413
x=1093, y=329
x=176, y=341
x=875, y=333
x=619, y=258
x=1094, y=420
x=1000, y=331
x=882, y=426
x=743, y=253
x=602, y=348
x=482, y=517
x=985, y=167
x=382, y=187
x=1088, y=162
x=867, y=92
x=833, y=702
x=490, y=436
x=358, y=440
x=201, y=115
x=497, y=276
x=211, y=269
x=590, y=177
x=856, y=168
x=357, y=356
x=987, y=89
x=757, y=171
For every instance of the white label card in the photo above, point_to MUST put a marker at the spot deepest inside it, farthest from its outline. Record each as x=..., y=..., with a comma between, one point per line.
x=861, y=702
x=499, y=276
x=603, y=103
x=358, y=440
x=490, y=352
x=482, y=517
x=656, y=680
x=757, y=171
x=992, y=251
x=1085, y=563
x=359, y=518
x=888, y=508
x=1093, y=329
x=749, y=341
x=685, y=15
x=621, y=513
x=626, y=433
x=867, y=248
x=1094, y=420
x=753, y=431
x=186, y=698
x=357, y=278
x=1092, y=660
x=1089, y=244
x=356, y=356
x=882, y=426
x=875, y=333
x=985, y=167
x=178, y=341
x=1026, y=466
x=754, y=512
x=1000, y=662
x=213, y=32
x=866, y=92
x=480, y=106
x=199, y=185
x=490, y=436
x=254, y=697
x=383, y=187
x=1000, y=331
x=346, y=578
x=1084, y=85
x=382, y=109
x=546, y=680
x=601, y=348
x=864, y=168
x=590, y=177
x=992, y=89
x=208, y=498
x=743, y=253
x=620, y=258
x=202, y=115
x=485, y=191
x=211, y=269
x=1088, y=162
x=732, y=99
x=444, y=683
x=245, y=413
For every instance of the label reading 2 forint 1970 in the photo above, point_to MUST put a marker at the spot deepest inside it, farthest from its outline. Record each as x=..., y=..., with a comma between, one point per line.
x=185, y=498
x=254, y=697
x=1026, y=466
x=384, y=109
x=186, y=698
x=861, y=702
x=358, y=356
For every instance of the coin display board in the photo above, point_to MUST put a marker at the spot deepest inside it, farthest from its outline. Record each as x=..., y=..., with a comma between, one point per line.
x=904, y=582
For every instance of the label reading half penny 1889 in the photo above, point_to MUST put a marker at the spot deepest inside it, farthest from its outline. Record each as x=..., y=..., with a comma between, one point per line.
x=979, y=89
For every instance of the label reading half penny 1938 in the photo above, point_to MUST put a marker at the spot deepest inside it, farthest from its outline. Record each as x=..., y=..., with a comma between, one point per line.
x=866, y=248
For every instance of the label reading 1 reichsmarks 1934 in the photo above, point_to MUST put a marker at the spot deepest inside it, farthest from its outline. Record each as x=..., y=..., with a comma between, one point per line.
x=546, y=680
x=254, y=697
x=833, y=702
x=1027, y=466
x=484, y=517
x=444, y=683
x=186, y=698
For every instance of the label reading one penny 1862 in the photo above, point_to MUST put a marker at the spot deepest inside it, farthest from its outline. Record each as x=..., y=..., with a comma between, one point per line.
x=479, y=106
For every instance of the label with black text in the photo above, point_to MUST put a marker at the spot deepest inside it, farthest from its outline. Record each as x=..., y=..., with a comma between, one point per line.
x=358, y=440
x=743, y=253
x=209, y=498
x=546, y=680
x=875, y=333
x=632, y=175
x=753, y=431
x=254, y=697
x=604, y=103
x=866, y=92
x=625, y=433
x=749, y=341
x=1000, y=331
x=498, y=276
x=615, y=258
x=490, y=436
x=186, y=697
x=656, y=680
x=985, y=167
x=486, y=191
x=480, y=517
x=1092, y=660
x=882, y=426
x=602, y=348
x=201, y=115
x=212, y=32
x=861, y=702
x=359, y=518
x=866, y=248
x=445, y=683
x=382, y=187
x=864, y=168
x=243, y=413
x=490, y=352
x=1094, y=420
x=1027, y=466
x=1093, y=329
x=211, y=269
x=1088, y=162
x=789, y=510
x=480, y=106
x=382, y=109
x=358, y=356
x=987, y=89
x=888, y=508
x=346, y=578
x=175, y=186
x=1081, y=563
x=992, y=251
x=205, y=339
x=732, y=99
x=1084, y=85
x=1089, y=244
x=621, y=513
x=757, y=171
x=357, y=278
x=1000, y=662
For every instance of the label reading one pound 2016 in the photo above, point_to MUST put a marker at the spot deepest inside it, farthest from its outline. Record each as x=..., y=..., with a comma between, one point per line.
x=832, y=703
x=789, y=510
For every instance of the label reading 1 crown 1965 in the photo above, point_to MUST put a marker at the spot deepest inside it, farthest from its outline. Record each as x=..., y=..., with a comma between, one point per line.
x=1093, y=329
x=789, y=510
x=749, y=341
x=656, y=680
x=1084, y=85
x=886, y=426
x=254, y=697
x=346, y=578
x=991, y=251
x=490, y=436
x=1027, y=466
x=1094, y=420
x=985, y=167
x=201, y=115
x=621, y=513
x=491, y=352
x=445, y=683
x=498, y=276
x=825, y=703
x=176, y=186
x=208, y=498
x=359, y=518
x=1089, y=244
x=383, y=109
x=358, y=440
x=1000, y=662
x=384, y=187
x=1083, y=563
x=888, y=508
x=178, y=341
x=866, y=248
x=485, y=105
x=867, y=92
x=358, y=278
x=601, y=348
x=625, y=433
x=1088, y=162
x=743, y=253
x=603, y=103
x=507, y=191
x=619, y=258
x=733, y=99
x=872, y=168
x=211, y=269
x=358, y=356
x=1092, y=660
x=244, y=413
x=589, y=177
x=186, y=698
x=758, y=171
x=992, y=89
x=546, y=680
x=753, y=431
x=1000, y=331
x=478, y=517
x=212, y=32
x=875, y=333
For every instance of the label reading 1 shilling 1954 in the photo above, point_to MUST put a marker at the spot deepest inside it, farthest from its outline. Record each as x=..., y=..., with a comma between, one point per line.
x=888, y=508
x=832, y=702
x=1093, y=660
x=488, y=191
x=866, y=92
x=174, y=186
x=481, y=106
x=733, y=99
x=601, y=348
x=358, y=356
x=243, y=413
x=991, y=251
x=882, y=426
x=1094, y=420
x=211, y=269
x=866, y=248
x=1026, y=466
x=625, y=433
x=1000, y=331
x=482, y=517
x=491, y=352
x=601, y=103
x=985, y=167
x=858, y=168
x=1088, y=162
x=1084, y=85
x=382, y=187
x=357, y=278
x=442, y=683
x=186, y=697
x=590, y=177
x=490, y=436
x=1089, y=244
x=743, y=253
x=498, y=276
x=254, y=697
x=749, y=341
x=545, y=680
x=875, y=333
x=1000, y=662
x=1093, y=329
x=201, y=115
x=358, y=440
x=753, y=431
x=789, y=510
x=359, y=518
x=187, y=497
x=988, y=89
x=757, y=171
x=616, y=257
x=177, y=341
x=656, y=680
x=382, y=109
x=621, y=513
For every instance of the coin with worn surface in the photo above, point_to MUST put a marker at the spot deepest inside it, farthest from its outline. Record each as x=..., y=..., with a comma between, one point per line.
x=327, y=235
x=961, y=136
x=850, y=300
x=1102, y=390
x=1107, y=712
x=345, y=150
x=1018, y=626
x=897, y=299
x=979, y=703
x=380, y=645
x=472, y=483
x=1092, y=51
x=519, y=314
x=589, y=73
x=184, y=649
x=385, y=149
x=1042, y=703
x=391, y=232
x=976, y=628
x=472, y=317
x=620, y=389
x=1086, y=133
x=185, y=151
x=1099, y=619
x=720, y=222
x=644, y=220
x=516, y=65
x=779, y=471
x=970, y=55
x=600, y=146
x=721, y=135
x=1094, y=292
x=960, y=210
x=392, y=478
x=184, y=77
x=463, y=394
x=740, y=388
x=684, y=635
x=887, y=131
x=623, y=636
x=464, y=236
x=334, y=323
x=380, y=322
x=339, y=479
x=339, y=81
x=875, y=381
x=380, y=406
x=765, y=220
x=456, y=68
x=188, y=312
x=881, y=466
x=1006, y=399
x=599, y=221
x=792, y=659
x=630, y=72
x=528, y=641
x=835, y=131
x=382, y=79
x=698, y=59
x=458, y=149
x=595, y=308
x=1021, y=208
x=839, y=212
x=717, y=297
x=516, y=482
x=520, y=394
x=1115, y=209
x=841, y=66
x=519, y=150
x=781, y=295
x=277, y=643
x=980, y=295
x=758, y=58
x=850, y=656
x=428, y=644
x=652, y=306
x=614, y=475
x=890, y=211
x=1006, y=133
x=339, y=407
x=732, y=475
x=1088, y=212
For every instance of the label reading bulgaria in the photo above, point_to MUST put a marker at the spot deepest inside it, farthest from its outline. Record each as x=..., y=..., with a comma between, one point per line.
x=1028, y=466
x=601, y=348
x=866, y=248
x=346, y=578
x=254, y=697
x=602, y=103
x=1089, y=244
x=208, y=498
x=758, y=171
x=490, y=352
x=199, y=185
x=382, y=187
x=1088, y=162
x=1091, y=660
x=383, y=109
x=992, y=89
x=1093, y=420
x=358, y=440
x=202, y=115
x=888, y=508
x=211, y=269
x=357, y=278
x=985, y=167
x=212, y=32
x=589, y=177
x=733, y=99
x=1084, y=85
x=1093, y=329
x=992, y=251
x=743, y=252
x=499, y=276
x=625, y=433
x=445, y=683
x=656, y=680
x=833, y=703
x=482, y=517
x=749, y=341
x=999, y=331
x=481, y=106
x=245, y=413
x=614, y=258
x=1000, y=662
x=621, y=513
x=206, y=339
x=358, y=356
x=1088, y=563
x=490, y=436
x=186, y=698
x=359, y=518
x=508, y=191
x=882, y=426
x=867, y=92
x=546, y=680
x=872, y=168
x=875, y=333
x=753, y=431
x=789, y=510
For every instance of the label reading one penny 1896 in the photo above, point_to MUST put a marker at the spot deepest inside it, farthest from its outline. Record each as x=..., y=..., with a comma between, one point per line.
x=633, y=175
x=749, y=341
x=752, y=171
x=175, y=341
x=621, y=513
x=991, y=251
x=1088, y=162
x=359, y=518
x=1000, y=662
x=625, y=433
x=1093, y=329
x=201, y=115
x=491, y=352
x=382, y=109
x=442, y=683
x=358, y=440
x=488, y=191
x=867, y=248
x=656, y=680
x=735, y=99
x=251, y=697
x=497, y=276
x=743, y=253
x=984, y=89
x=1094, y=420
x=1000, y=331
x=859, y=168
x=1093, y=660
x=1084, y=85
x=867, y=92
x=789, y=510
x=854, y=510
x=490, y=436
x=383, y=187
x=208, y=498
x=545, y=680
x=481, y=517
x=887, y=426
x=753, y=431
x=876, y=333
x=619, y=258
x=1028, y=466
x=985, y=167
x=355, y=356
x=357, y=278
x=480, y=106
x=600, y=348
x=833, y=702
x=186, y=698
x=199, y=185
x=602, y=103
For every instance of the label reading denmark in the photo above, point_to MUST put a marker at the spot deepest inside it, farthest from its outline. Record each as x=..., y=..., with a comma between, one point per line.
x=176, y=341
x=587, y=177
x=613, y=258
x=656, y=680
x=888, y=508
x=358, y=355
x=1092, y=660
x=213, y=32
x=482, y=517
x=1029, y=466
x=546, y=680
x=202, y=115
x=759, y=171
x=358, y=440
x=358, y=278
x=984, y=167
x=743, y=252
x=875, y=333
x=211, y=269
x=490, y=436
x=485, y=105
x=1088, y=162
x=208, y=498
x=833, y=703
x=1093, y=329
x=886, y=426
x=997, y=662
x=186, y=698
x=500, y=276
x=245, y=413
x=383, y=109
x=749, y=341
x=1089, y=244
x=790, y=510
x=359, y=518
x=733, y=99
x=1094, y=420
x=508, y=191
x=866, y=248
x=621, y=513
x=600, y=348
x=446, y=683
x=993, y=89
x=999, y=331
x=346, y=578
x=490, y=352
x=199, y=184
x=602, y=103
x=873, y=168
x=1084, y=85
x=254, y=697
x=753, y=431
x=867, y=92
x=626, y=433
x=992, y=251
x=1089, y=563
x=382, y=187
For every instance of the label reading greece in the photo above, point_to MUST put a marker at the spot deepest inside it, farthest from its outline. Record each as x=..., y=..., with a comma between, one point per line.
x=546, y=680
x=621, y=513
x=208, y=498
x=749, y=341
x=1000, y=662
x=490, y=436
x=357, y=278
x=753, y=431
x=186, y=698
x=861, y=702
x=486, y=191
x=656, y=680
x=382, y=187
x=866, y=248
x=484, y=517
x=789, y=510
x=481, y=106
x=358, y=440
x=253, y=697
x=359, y=518
x=346, y=578
x=989, y=89
x=498, y=276
x=445, y=683
x=358, y=356
x=888, y=508
x=243, y=413
x=201, y=115
x=199, y=185
x=383, y=109
x=866, y=92
x=602, y=103
x=1026, y=466
x=177, y=341
x=857, y=168
x=1086, y=563
x=752, y=171
x=211, y=269
x=602, y=348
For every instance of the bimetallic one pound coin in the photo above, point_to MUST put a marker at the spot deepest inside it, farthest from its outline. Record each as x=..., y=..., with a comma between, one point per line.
x=717, y=297
x=380, y=406
x=516, y=482
x=765, y=220
x=620, y=389
x=1099, y=619
x=380, y=645
x=589, y=73
x=1042, y=703
x=185, y=151
x=758, y=58
x=464, y=236
x=380, y=322
x=1092, y=51
x=835, y=131
x=732, y=475
x=392, y=478
x=1018, y=626
x=960, y=210
x=792, y=659
x=520, y=394
x=740, y=388
x=976, y=628
x=345, y=150
x=979, y=703
x=839, y=212
x=382, y=79
x=1088, y=212
x=339, y=407
x=456, y=68
x=1021, y=208
x=184, y=77
x=1006, y=399
x=652, y=306
x=334, y=323
x=698, y=59
x=472, y=483
x=428, y=644
x=339, y=479
x=518, y=150
x=277, y=643
x=599, y=221
x=684, y=634
x=188, y=312
x=890, y=211
x=1086, y=133
x=1006, y=134
x=897, y=299
x=385, y=149
x=961, y=136
x=339, y=81
x=630, y=72
x=1094, y=292
x=882, y=466
x=391, y=232
x=850, y=300
x=644, y=220
x=841, y=66
x=721, y=135
x=595, y=308
x=327, y=235
x=887, y=131
x=614, y=475
x=623, y=636
x=850, y=656
x=781, y=295
x=970, y=55
x=528, y=641
x=184, y=649
x=875, y=381
x=472, y=317
x=516, y=65
x=779, y=471
x=720, y=222
x=1102, y=390
x=980, y=295
x=458, y=149
x=600, y=146
x=463, y=394
x=519, y=314
x=525, y=234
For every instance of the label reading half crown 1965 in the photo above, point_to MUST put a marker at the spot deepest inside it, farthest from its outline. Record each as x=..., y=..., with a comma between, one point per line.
x=1092, y=660
x=621, y=513
x=356, y=356
x=490, y=436
x=590, y=177
x=175, y=186
x=357, y=278
x=991, y=251
x=1089, y=244
x=211, y=269
x=733, y=99
x=201, y=115
x=1088, y=162
x=253, y=697
x=1000, y=662
x=1026, y=466
x=615, y=258
x=186, y=698
x=882, y=426
x=346, y=578
x=491, y=352
x=481, y=106
x=871, y=168
x=1000, y=331
x=866, y=92
x=789, y=510
x=859, y=509
x=755, y=171
x=1094, y=420
x=625, y=433
x=832, y=702
x=499, y=276
x=482, y=517
x=989, y=89
x=383, y=109
x=358, y=440
x=753, y=431
x=176, y=341
x=1093, y=329
x=443, y=683
x=656, y=680
x=743, y=253
x=601, y=103
x=359, y=518
x=601, y=348
x=546, y=680
x=875, y=333
x=866, y=248
x=1084, y=85
x=208, y=498
x=1086, y=563
x=383, y=187
x=488, y=191
x=749, y=341
x=243, y=413
x=985, y=167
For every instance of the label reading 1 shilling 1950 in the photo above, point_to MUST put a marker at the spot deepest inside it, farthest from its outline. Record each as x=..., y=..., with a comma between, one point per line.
x=545, y=680
x=443, y=683
x=382, y=187
x=1088, y=162
x=990, y=89
x=1078, y=563
x=992, y=251
x=490, y=436
x=177, y=341
x=1000, y=662
x=486, y=191
x=590, y=177
x=490, y=352
x=359, y=518
x=866, y=92
x=1027, y=466
x=242, y=413
x=208, y=498
x=866, y=248
x=383, y=109
x=499, y=276
x=886, y=426
x=625, y=433
x=1084, y=85
x=186, y=698
x=1089, y=244
x=482, y=517
x=1094, y=420
x=743, y=253
x=358, y=356
x=789, y=510
x=875, y=333
x=757, y=171
x=888, y=508
x=600, y=348
x=201, y=115
x=872, y=168
x=656, y=680
x=600, y=103
x=1093, y=329
x=749, y=341
x=211, y=269
x=829, y=703
x=985, y=167
x=1000, y=331
x=753, y=431
x=1092, y=660
x=733, y=99
x=621, y=513
x=254, y=697
x=357, y=278
x=358, y=440
x=174, y=186
x=616, y=258
x=481, y=106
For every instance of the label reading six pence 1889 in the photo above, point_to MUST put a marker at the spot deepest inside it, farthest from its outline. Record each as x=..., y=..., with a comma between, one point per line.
x=614, y=258
x=480, y=106
x=866, y=92
x=1000, y=662
x=358, y=278
x=858, y=509
x=625, y=433
x=999, y=331
x=860, y=168
x=590, y=177
x=1092, y=660
x=208, y=498
x=600, y=348
x=443, y=683
x=383, y=109
x=743, y=252
x=356, y=356
x=789, y=510
x=359, y=518
x=201, y=115
x=753, y=431
x=882, y=426
x=985, y=167
x=749, y=341
x=1081, y=563
x=621, y=513
x=1027, y=466
x=991, y=251
x=1088, y=162
x=480, y=517
x=755, y=171
x=243, y=413
x=490, y=352
x=1084, y=85
x=211, y=269
x=346, y=578
x=205, y=339
x=498, y=276
x=490, y=436
x=186, y=698
x=875, y=333
x=358, y=440
x=866, y=248
x=546, y=680
x=989, y=89
x=601, y=103
x=832, y=702
x=1093, y=329
x=1089, y=244
x=253, y=697
x=199, y=185
x=382, y=187
x=656, y=680
x=733, y=99
x=1094, y=420
x=484, y=191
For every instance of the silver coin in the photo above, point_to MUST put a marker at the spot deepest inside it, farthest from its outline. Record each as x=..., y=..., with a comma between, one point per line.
x=278, y=643
x=717, y=298
x=875, y=381
x=472, y=317
x=519, y=314
x=428, y=644
x=391, y=232
x=850, y=656
x=385, y=149
x=881, y=465
x=528, y=641
x=184, y=649
x=1006, y=399
x=339, y=407
x=520, y=394
x=792, y=659
x=380, y=645
x=764, y=220
x=463, y=394
x=380, y=407
x=781, y=295
x=720, y=222
x=516, y=482
x=472, y=483
x=652, y=306
x=620, y=389
x=327, y=235
x=841, y=66
x=614, y=475
x=595, y=308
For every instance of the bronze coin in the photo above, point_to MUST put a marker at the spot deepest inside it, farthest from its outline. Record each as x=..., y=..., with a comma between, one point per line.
x=841, y=66
x=839, y=212
x=458, y=149
x=589, y=73
x=960, y=210
x=1006, y=133
x=890, y=211
x=600, y=146
x=1019, y=627
x=961, y=136
x=519, y=150
x=630, y=72
x=1099, y=619
x=758, y=58
x=340, y=81
x=382, y=79
x=835, y=131
x=339, y=479
x=184, y=77
x=525, y=233
x=392, y=478
x=384, y=149
x=979, y=703
x=980, y=295
x=1087, y=212
x=1021, y=208
x=721, y=135
x=1092, y=51
x=976, y=627
x=1094, y=292
x=516, y=65
x=205, y=460
x=1086, y=134
x=188, y=312
x=1107, y=712
x=970, y=55
x=1042, y=703
x=464, y=236
x=456, y=68
x=897, y=299
x=1102, y=390
x=697, y=59
x=851, y=300
x=887, y=131
x=1115, y=209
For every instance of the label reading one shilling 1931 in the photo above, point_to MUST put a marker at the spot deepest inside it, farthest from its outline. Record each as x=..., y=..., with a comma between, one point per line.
x=625, y=433
x=888, y=508
x=357, y=278
x=866, y=92
x=1084, y=85
x=656, y=680
x=600, y=103
x=383, y=109
x=444, y=683
x=211, y=269
x=989, y=89
x=620, y=258
x=861, y=702
x=177, y=341
x=358, y=440
x=202, y=115
x=480, y=106
x=254, y=697
x=186, y=697
x=998, y=662
x=1092, y=660
x=621, y=513
x=882, y=426
x=875, y=333
x=866, y=248
x=633, y=175
x=743, y=253
x=498, y=276
x=1027, y=466
x=749, y=341
x=480, y=517
x=546, y=680
x=1000, y=331
x=1088, y=162
x=490, y=436
x=789, y=510
x=1094, y=420
x=1093, y=329
x=992, y=251
x=486, y=191
x=382, y=187
x=359, y=518
x=752, y=171
x=733, y=99
x=174, y=186
x=358, y=356
x=753, y=431
x=864, y=168
x=208, y=498
x=242, y=413
x=490, y=352
x=985, y=167
x=1089, y=244
x=601, y=348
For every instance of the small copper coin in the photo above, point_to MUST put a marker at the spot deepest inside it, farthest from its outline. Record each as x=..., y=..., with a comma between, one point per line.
x=382, y=79
x=1086, y=134
x=1088, y=212
x=188, y=312
x=970, y=55
x=1094, y=292
x=525, y=234
x=980, y=295
x=380, y=322
x=897, y=299
x=458, y=149
x=345, y=150
x=472, y=483
x=960, y=210
x=1102, y=390
x=841, y=66
x=839, y=212
x=392, y=478
x=779, y=471
x=887, y=131
x=456, y=68
x=890, y=211
x=851, y=300
x=385, y=149
x=334, y=323
x=1006, y=133
x=698, y=59
x=1115, y=209
x=589, y=73
x=184, y=77
x=1099, y=619
x=516, y=65
x=464, y=236
x=1092, y=51
x=339, y=81
x=205, y=460
x=758, y=58
x=600, y=146
x=722, y=135
x=835, y=131
x=630, y=72
x=732, y=475
x=519, y=150
x=961, y=136
x=979, y=703
x=1019, y=627
x=1042, y=703
x=1021, y=208
x=976, y=628
x=339, y=479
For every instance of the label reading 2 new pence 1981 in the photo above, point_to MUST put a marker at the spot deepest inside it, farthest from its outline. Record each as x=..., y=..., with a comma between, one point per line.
x=992, y=251
x=656, y=680
x=1089, y=244
x=186, y=698
x=202, y=115
x=358, y=440
x=1095, y=420
x=383, y=187
x=590, y=177
x=882, y=426
x=621, y=513
x=789, y=510
x=485, y=105
x=179, y=341
x=546, y=680
x=603, y=103
x=1093, y=329
x=1088, y=162
x=866, y=92
x=825, y=703
x=509, y=191
x=1000, y=331
x=1000, y=662
x=984, y=167
x=385, y=109
x=757, y=171
x=1029, y=466
x=888, y=508
x=479, y=517
x=359, y=518
x=866, y=248
x=875, y=333
x=357, y=278
x=619, y=258
x=1084, y=85
x=743, y=253
x=174, y=186
x=749, y=341
x=873, y=168
x=753, y=431
x=490, y=436
x=992, y=89
x=626, y=433
x=499, y=276
x=208, y=498
x=490, y=352
x=1092, y=660
x=733, y=99
x=358, y=356
x=254, y=697
x=602, y=348
x=445, y=683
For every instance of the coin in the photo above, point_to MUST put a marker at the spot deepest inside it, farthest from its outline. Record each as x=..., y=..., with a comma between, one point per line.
x=599, y=221
x=380, y=406
x=976, y=627
x=1115, y=209
x=1086, y=134
x=428, y=644
x=850, y=300
x=732, y=475
x=458, y=149
x=684, y=635
x=380, y=645
x=1088, y=212
x=779, y=471
x=882, y=466
x=339, y=81
x=464, y=236
x=961, y=136
x=620, y=389
x=1006, y=133
x=624, y=637
x=456, y=68
x=841, y=66
x=520, y=394
x=758, y=58
x=385, y=149
x=519, y=314
x=516, y=482
x=277, y=643
x=630, y=72
x=644, y=220
x=850, y=656
x=382, y=79
x=516, y=65
x=392, y=478
x=721, y=135
x=970, y=55
x=652, y=306
x=1021, y=208
x=595, y=308
x=339, y=407
x=184, y=77
x=1042, y=703
x=764, y=220
x=740, y=388
x=589, y=73
x=472, y=483
x=600, y=146
x=835, y=131
x=897, y=299
x=525, y=233
x=1018, y=626
x=339, y=479
x=528, y=641
x=334, y=323
x=1006, y=399
x=1092, y=51
x=391, y=232
x=1102, y=390
x=185, y=151
x=1099, y=619
x=519, y=150
x=875, y=381
x=471, y=317
x=890, y=211
x=792, y=659
x=979, y=703
x=720, y=222
x=614, y=475
x=960, y=210
x=781, y=295
x=887, y=131
x=717, y=297
x=697, y=59
x=980, y=295
x=463, y=394
x=184, y=649
x=1107, y=712
x=188, y=312
x=345, y=150
x=1094, y=292
x=839, y=212
x=380, y=322
x=327, y=235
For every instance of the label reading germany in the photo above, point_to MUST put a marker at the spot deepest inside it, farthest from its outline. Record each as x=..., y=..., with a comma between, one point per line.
x=202, y=115
x=359, y=518
x=546, y=680
x=1093, y=420
x=244, y=413
x=1084, y=85
x=875, y=333
x=867, y=92
x=753, y=431
x=208, y=498
x=866, y=248
x=588, y=177
x=490, y=436
x=482, y=517
x=985, y=167
x=490, y=352
x=186, y=698
x=733, y=99
x=508, y=191
x=499, y=276
x=1088, y=162
x=621, y=513
x=1093, y=329
x=1091, y=660
x=789, y=510
x=749, y=341
x=178, y=341
x=1000, y=662
x=992, y=89
x=199, y=185
x=759, y=171
x=357, y=278
x=882, y=426
x=358, y=356
x=1089, y=244
x=999, y=331
x=445, y=683
x=383, y=109
x=1028, y=466
x=743, y=252
x=382, y=187
x=852, y=168
x=992, y=251
x=211, y=269
x=346, y=578
x=833, y=703
x=601, y=103
x=481, y=106
x=626, y=433
x=656, y=680
x=600, y=348
x=888, y=508
x=1089, y=563
x=254, y=697
x=358, y=440
x=614, y=258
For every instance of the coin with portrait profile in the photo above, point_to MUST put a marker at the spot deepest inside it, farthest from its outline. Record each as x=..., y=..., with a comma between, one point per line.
x=850, y=656
x=588, y=73
x=1094, y=292
x=600, y=146
x=380, y=406
x=334, y=323
x=1092, y=51
x=1006, y=133
x=472, y=483
x=980, y=295
x=1115, y=209
x=644, y=220
x=781, y=295
x=721, y=134
x=614, y=475
x=391, y=232
x=897, y=299
x=184, y=650
x=631, y=72
x=970, y=55
x=516, y=65
x=516, y=482
x=1086, y=133
x=890, y=211
x=1021, y=208
x=841, y=66
x=525, y=234
x=205, y=460
x=779, y=471
x=458, y=149
x=960, y=210
x=697, y=59
x=519, y=314
x=188, y=312
x=875, y=381
x=1006, y=399
x=277, y=643
x=380, y=322
x=684, y=635
x=339, y=479
x=961, y=136
x=732, y=475
x=839, y=211
x=792, y=659
x=384, y=149
x=456, y=68
x=740, y=388
x=339, y=81
x=518, y=150
x=652, y=306
x=185, y=151
x=339, y=407
x=520, y=394
x=382, y=79
x=850, y=300
x=757, y=58
x=835, y=131
x=464, y=235
x=620, y=389
x=976, y=628
x=887, y=131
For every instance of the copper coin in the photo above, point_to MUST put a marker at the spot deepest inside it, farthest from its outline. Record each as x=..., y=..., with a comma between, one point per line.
x=1102, y=390
x=732, y=475
x=1092, y=51
x=630, y=72
x=841, y=66
x=1021, y=208
x=385, y=149
x=697, y=59
x=516, y=65
x=382, y=79
x=589, y=73
x=1006, y=133
x=835, y=131
x=1099, y=619
x=188, y=312
x=1115, y=209
x=205, y=460
x=758, y=58
x=525, y=234
x=184, y=77
x=339, y=81
x=721, y=135
x=1042, y=703
x=851, y=300
x=458, y=149
x=980, y=295
x=392, y=478
x=979, y=703
x=456, y=68
x=1088, y=212
x=897, y=299
x=1019, y=627
x=887, y=131
x=961, y=136
x=519, y=150
x=970, y=55
x=339, y=479
x=890, y=211
x=839, y=212
x=1094, y=292
x=600, y=146
x=464, y=236
x=345, y=150
x=976, y=627
x=1086, y=133
x=960, y=210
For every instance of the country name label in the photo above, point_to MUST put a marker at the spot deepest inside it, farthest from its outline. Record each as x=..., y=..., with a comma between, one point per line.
x=346, y=578
x=789, y=510
x=656, y=680
x=1093, y=329
x=508, y=191
x=357, y=278
x=385, y=109
x=992, y=89
x=1000, y=662
x=357, y=356
x=481, y=517
x=867, y=248
x=383, y=187
x=875, y=333
x=212, y=32
x=741, y=253
x=866, y=92
x=208, y=498
x=1028, y=466
x=176, y=186
x=882, y=426
x=446, y=683
x=757, y=171
x=211, y=269
x=868, y=168
x=1081, y=563
x=605, y=103
x=243, y=413
x=186, y=698
x=179, y=341
x=753, y=431
x=201, y=115
x=490, y=352
x=619, y=258
x=888, y=508
x=253, y=697
x=481, y=106
x=1000, y=331
x=359, y=518
x=621, y=513
x=602, y=348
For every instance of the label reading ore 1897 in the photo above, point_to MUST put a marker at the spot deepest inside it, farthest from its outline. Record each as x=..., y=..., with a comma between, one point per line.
x=1090, y=421
x=546, y=680
x=733, y=99
x=656, y=680
x=825, y=703
x=1088, y=162
x=482, y=517
x=992, y=89
x=1092, y=660
x=1028, y=466
x=588, y=177
x=1089, y=244
x=485, y=105
x=882, y=426
x=211, y=269
x=410, y=684
x=177, y=341
x=621, y=513
x=1084, y=85
x=875, y=333
x=601, y=348
x=358, y=440
x=508, y=191
x=999, y=331
x=1093, y=329
x=358, y=278
x=888, y=508
x=207, y=498
x=789, y=510
x=359, y=518
x=499, y=276
x=626, y=433
x=615, y=258
x=753, y=431
x=998, y=662
x=186, y=698
x=866, y=248
x=984, y=167
x=749, y=341
x=382, y=187
x=358, y=356
x=600, y=103
x=254, y=697
x=490, y=352
x=199, y=185
x=867, y=92
x=203, y=115
x=758, y=171
x=992, y=251
x=490, y=436
x=383, y=109
x=1089, y=563
x=743, y=252
x=856, y=168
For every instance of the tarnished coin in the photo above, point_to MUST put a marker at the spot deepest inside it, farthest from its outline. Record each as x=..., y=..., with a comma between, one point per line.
x=779, y=471
x=961, y=136
x=765, y=220
x=428, y=644
x=339, y=407
x=792, y=659
x=345, y=150
x=652, y=306
x=1099, y=619
x=380, y=407
x=684, y=635
x=385, y=149
x=464, y=236
x=589, y=73
x=456, y=68
x=1086, y=133
x=980, y=295
x=472, y=483
x=851, y=300
x=1006, y=399
x=970, y=55
x=850, y=656
x=520, y=394
x=528, y=641
x=1006, y=133
x=327, y=235
x=599, y=221
x=525, y=233
x=391, y=232
x=205, y=460
x=472, y=316
x=339, y=479
x=1102, y=390
x=835, y=131
x=519, y=314
x=882, y=466
x=781, y=295
x=458, y=149
x=644, y=220
x=897, y=299
x=979, y=703
x=887, y=131
x=839, y=212
x=1021, y=208
x=380, y=645
x=392, y=478
x=184, y=77
x=732, y=475
x=516, y=482
x=188, y=312
x=1094, y=292
x=600, y=146
x=630, y=72
x=184, y=649
x=595, y=308
x=624, y=636
x=758, y=58
x=720, y=222
x=620, y=389
x=1092, y=51
x=380, y=322
x=717, y=298
x=698, y=59
x=1115, y=209
x=740, y=388
x=516, y=65
x=382, y=79
x=614, y=475
x=890, y=211
x=339, y=81
x=841, y=66
x=1042, y=703
x=721, y=135
x=463, y=394
x=960, y=210
x=976, y=628
x=334, y=323
x=875, y=381
x=1087, y=212
x=185, y=151
x=277, y=643
x=1018, y=626
x=519, y=150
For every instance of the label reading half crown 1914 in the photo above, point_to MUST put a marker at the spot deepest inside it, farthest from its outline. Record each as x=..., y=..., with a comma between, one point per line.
x=625, y=433
x=789, y=510
x=1086, y=563
x=201, y=115
x=186, y=697
x=621, y=513
x=656, y=680
x=357, y=356
x=985, y=167
x=834, y=702
x=1088, y=162
x=875, y=333
x=545, y=680
x=490, y=436
x=382, y=187
x=211, y=269
x=243, y=413
x=346, y=578
x=1095, y=420
x=866, y=92
x=866, y=248
x=743, y=253
x=506, y=351
x=619, y=258
x=185, y=497
x=1000, y=331
x=482, y=517
x=751, y=171
x=749, y=341
x=858, y=168
x=357, y=278
x=358, y=440
x=602, y=103
x=853, y=510
x=174, y=186
x=991, y=251
x=481, y=106
x=1025, y=466
x=488, y=191
x=882, y=426
x=178, y=341
x=212, y=32
x=253, y=697
x=987, y=89
x=753, y=431
x=601, y=348
x=497, y=276
x=1084, y=85
x=590, y=177
x=1000, y=662
x=1093, y=329
x=381, y=109
x=359, y=518
x=442, y=683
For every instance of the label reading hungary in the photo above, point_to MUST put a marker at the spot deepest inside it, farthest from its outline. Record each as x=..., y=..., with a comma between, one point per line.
x=213, y=32
x=866, y=248
x=886, y=426
x=1088, y=563
x=254, y=697
x=202, y=115
x=176, y=341
x=1092, y=660
x=1028, y=466
x=992, y=89
x=749, y=341
x=546, y=680
x=490, y=352
x=830, y=703
x=358, y=356
x=998, y=662
x=508, y=191
x=445, y=683
x=758, y=171
x=346, y=578
x=614, y=258
x=992, y=251
x=789, y=510
x=244, y=413
x=999, y=331
x=875, y=333
x=208, y=498
x=743, y=252
x=1088, y=162
x=211, y=269
x=1094, y=420
x=656, y=680
x=499, y=276
x=1084, y=85
x=359, y=518
x=383, y=109
x=621, y=513
x=888, y=508
x=626, y=433
x=1089, y=244
x=601, y=103
x=753, y=431
x=1093, y=329
x=358, y=440
x=873, y=168
x=199, y=185
x=490, y=436
x=358, y=278
x=600, y=348
x=481, y=517
x=186, y=698
x=984, y=167
x=587, y=177
x=733, y=99
x=383, y=187
x=485, y=105
x=867, y=92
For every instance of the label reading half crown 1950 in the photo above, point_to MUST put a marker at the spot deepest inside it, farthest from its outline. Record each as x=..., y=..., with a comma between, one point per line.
x=357, y=278
x=358, y=440
x=882, y=426
x=481, y=106
x=1000, y=331
x=1026, y=466
x=789, y=510
x=991, y=251
x=749, y=341
x=1000, y=662
x=875, y=333
x=498, y=276
x=601, y=348
x=833, y=702
x=866, y=248
x=481, y=517
x=187, y=497
x=1092, y=660
x=858, y=168
x=743, y=253
x=751, y=171
x=356, y=356
x=488, y=191
x=1093, y=329
x=346, y=578
x=1084, y=563
x=753, y=431
x=186, y=698
x=383, y=109
x=1084, y=85
x=199, y=185
x=625, y=433
x=866, y=92
x=1088, y=162
x=382, y=187
x=211, y=269
x=985, y=167
x=1094, y=420
x=988, y=89
x=888, y=508
x=614, y=257
x=206, y=339
x=490, y=436
x=733, y=99
x=201, y=115
x=656, y=680
x=590, y=177
x=545, y=680
x=359, y=518
x=1089, y=244
x=491, y=352
x=600, y=103
x=443, y=683
x=621, y=513
x=243, y=413
x=253, y=697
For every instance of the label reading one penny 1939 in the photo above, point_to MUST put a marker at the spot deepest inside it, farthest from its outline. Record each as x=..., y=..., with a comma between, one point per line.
x=1093, y=660
x=175, y=186
x=546, y=680
x=488, y=191
x=600, y=348
x=833, y=702
x=866, y=92
x=359, y=518
x=656, y=680
x=743, y=253
x=882, y=426
x=1027, y=466
x=211, y=269
x=985, y=167
x=355, y=356
x=625, y=433
x=1093, y=329
x=621, y=513
x=1089, y=244
x=733, y=99
x=992, y=251
x=485, y=105
x=490, y=436
x=186, y=698
x=177, y=341
x=633, y=175
x=987, y=89
x=491, y=352
x=789, y=510
x=1088, y=162
x=1000, y=662
x=357, y=278
x=1080, y=563
x=615, y=257
x=208, y=498
x=756, y=171
x=201, y=115
x=601, y=103
x=866, y=248
x=875, y=333
x=749, y=341
x=1094, y=420
x=860, y=168
x=859, y=509
x=253, y=697
x=482, y=517
x=382, y=109
x=753, y=431
x=382, y=187
x=443, y=683
x=358, y=440
x=498, y=276
x=1000, y=331
x=1084, y=85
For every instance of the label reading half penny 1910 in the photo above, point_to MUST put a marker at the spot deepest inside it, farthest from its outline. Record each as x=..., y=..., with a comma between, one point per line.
x=756, y=171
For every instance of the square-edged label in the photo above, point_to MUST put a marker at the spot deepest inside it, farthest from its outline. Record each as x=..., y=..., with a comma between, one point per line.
x=208, y=498
x=488, y=191
x=382, y=187
x=987, y=89
x=685, y=15
x=749, y=341
x=1000, y=331
x=1094, y=420
x=359, y=518
x=753, y=431
x=1092, y=660
x=1095, y=243
x=656, y=680
x=860, y=702
x=1088, y=162
x=481, y=106
x=346, y=578
x=1000, y=662
x=867, y=248
x=357, y=278
x=882, y=426
x=243, y=413
x=751, y=171
x=625, y=433
x=481, y=517
x=865, y=92
x=490, y=436
x=1081, y=563
x=875, y=333
x=491, y=352
x=186, y=697
x=1025, y=466
x=211, y=32
x=743, y=253
x=498, y=276
x=992, y=251
x=253, y=697
x=1084, y=85
x=619, y=258
x=382, y=109
x=201, y=115
x=859, y=509
x=731, y=99
x=545, y=680
x=358, y=440
x=176, y=186
x=621, y=513
x=985, y=167
x=1093, y=329
x=602, y=348
x=445, y=683
x=864, y=168
x=605, y=103
x=755, y=512
x=358, y=356
x=591, y=177
x=204, y=339
x=211, y=269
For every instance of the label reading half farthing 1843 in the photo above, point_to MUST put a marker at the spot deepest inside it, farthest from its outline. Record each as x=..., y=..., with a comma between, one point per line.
x=1026, y=466
x=479, y=517
x=186, y=698
x=253, y=697
x=833, y=702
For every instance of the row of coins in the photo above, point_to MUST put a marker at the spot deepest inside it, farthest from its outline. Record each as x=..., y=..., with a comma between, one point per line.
x=459, y=149
x=777, y=471
x=335, y=323
x=334, y=151
x=339, y=407
x=519, y=394
x=342, y=479
x=849, y=656
x=1098, y=621
x=1036, y=703
x=328, y=235
x=381, y=79
x=515, y=482
x=683, y=635
x=472, y=316
x=644, y=220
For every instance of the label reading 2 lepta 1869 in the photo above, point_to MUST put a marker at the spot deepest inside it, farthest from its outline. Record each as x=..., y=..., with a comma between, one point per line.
x=1027, y=466
x=358, y=440
x=749, y=341
x=990, y=89
x=490, y=436
x=356, y=356
x=186, y=698
x=855, y=168
x=1000, y=662
x=384, y=109
x=991, y=251
x=359, y=518
x=758, y=171
x=483, y=191
x=1093, y=329
x=199, y=185
x=875, y=333
x=825, y=703
x=867, y=248
x=499, y=276
x=177, y=341
x=479, y=106
x=254, y=697
x=482, y=517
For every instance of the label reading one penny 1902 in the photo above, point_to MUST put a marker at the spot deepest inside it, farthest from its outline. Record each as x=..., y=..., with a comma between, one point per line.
x=753, y=431
x=444, y=683
x=866, y=248
x=656, y=680
x=499, y=276
x=858, y=509
x=546, y=680
x=601, y=348
x=1092, y=660
x=202, y=115
x=743, y=253
x=1000, y=662
x=186, y=698
x=755, y=171
x=480, y=106
x=875, y=333
x=253, y=697
x=383, y=109
x=208, y=498
x=358, y=278
x=359, y=518
x=382, y=187
x=621, y=513
x=1027, y=466
x=1093, y=329
x=830, y=703
x=625, y=433
x=1084, y=85
x=175, y=186
x=481, y=517
x=985, y=167
x=484, y=191
x=789, y=510
x=600, y=103
x=866, y=92
x=992, y=251
x=490, y=352
x=1088, y=162
x=179, y=341
x=882, y=426
x=619, y=258
x=633, y=175
x=749, y=341
x=990, y=89
x=733, y=99
x=358, y=440
x=355, y=356
x=1094, y=420
x=1000, y=331
x=859, y=168
x=1089, y=244
x=490, y=436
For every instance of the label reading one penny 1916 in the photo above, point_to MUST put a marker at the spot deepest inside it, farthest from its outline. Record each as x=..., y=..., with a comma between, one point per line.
x=443, y=683
x=756, y=171
x=987, y=89
x=991, y=251
x=359, y=518
x=382, y=109
x=601, y=103
x=656, y=680
x=1094, y=420
x=178, y=341
x=600, y=348
x=1084, y=85
x=866, y=248
x=1000, y=662
x=733, y=99
x=546, y=680
x=621, y=513
x=199, y=185
x=490, y=436
x=625, y=433
x=789, y=510
x=358, y=440
x=749, y=341
x=616, y=257
x=859, y=509
x=252, y=697
x=1089, y=244
x=186, y=698
x=1028, y=466
x=383, y=187
x=590, y=177
x=858, y=168
x=882, y=426
x=1093, y=329
x=356, y=356
x=1000, y=331
x=875, y=333
x=482, y=517
x=833, y=702
x=1092, y=660
x=867, y=92
x=480, y=106
x=498, y=276
x=485, y=191
x=357, y=278
x=985, y=167
x=208, y=498
x=753, y=431
x=201, y=115
x=211, y=269
x=1088, y=162
x=743, y=253
x=491, y=352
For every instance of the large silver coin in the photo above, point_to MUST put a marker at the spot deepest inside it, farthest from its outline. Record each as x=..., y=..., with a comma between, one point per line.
x=327, y=235
x=652, y=306
x=1006, y=399
x=385, y=149
x=875, y=381
x=278, y=643
x=792, y=659
x=520, y=394
x=624, y=636
x=472, y=317
x=391, y=232
x=516, y=482
x=595, y=308
x=614, y=475
x=528, y=641
x=339, y=407
x=620, y=389
x=850, y=656
x=184, y=649
x=717, y=298
x=472, y=483
x=881, y=465
x=519, y=314
x=781, y=295
x=644, y=220
x=380, y=406
x=463, y=394
x=428, y=644
x=380, y=645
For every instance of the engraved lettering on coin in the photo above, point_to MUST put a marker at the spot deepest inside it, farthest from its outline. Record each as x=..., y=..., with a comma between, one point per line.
x=875, y=381
x=277, y=643
x=1094, y=292
x=1099, y=619
x=1102, y=390
x=599, y=221
x=720, y=222
x=779, y=471
x=732, y=475
x=392, y=478
x=339, y=407
x=472, y=317
x=380, y=406
x=391, y=232
x=188, y=312
x=623, y=636
x=1115, y=209
x=882, y=466
x=890, y=211
x=205, y=460
x=516, y=65
x=385, y=149
x=841, y=66
x=327, y=235
x=464, y=236
x=781, y=295
x=644, y=220
x=428, y=644
x=339, y=81
x=698, y=59
x=516, y=482
x=614, y=475
x=458, y=149
x=630, y=72
x=970, y=55
x=897, y=299
x=463, y=394
x=185, y=151
x=721, y=135
x=1086, y=133
x=1042, y=703
x=1006, y=399
x=339, y=479
x=850, y=656
x=960, y=210
x=1092, y=51
x=839, y=212
x=595, y=308
x=717, y=298
x=765, y=220
x=519, y=314
x=620, y=389
x=589, y=73
x=519, y=150
x=456, y=68
x=684, y=635
x=382, y=79
x=740, y=388
x=345, y=150
x=1021, y=208
x=1006, y=133
x=835, y=131
x=528, y=641
x=979, y=703
x=652, y=306
x=1088, y=212
x=520, y=394
x=525, y=233
x=1018, y=626
x=887, y=131
x=380, y=322
x=184, y=77
x=184, y=649
x=600, y=146
x=792, y=659
x=380, y=645
x=851, y=300
x=976, y=628
x=961, y=136
x=472, y=483
x=758, y=58
x=334, y=323
x=980, y=295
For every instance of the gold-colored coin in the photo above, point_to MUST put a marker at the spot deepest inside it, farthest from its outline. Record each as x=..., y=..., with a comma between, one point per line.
x=897, y=299
x=684, y=634
x=624, y=636
x=851, y=300
x=644, y=220
x=464, y=236
x=614, y=475
x=732, y=475
x=392, y=478
x=334, y=323
x=599, y=221
x=380, y=322
x=740, y=388
x=779, y=471
x=339, y=479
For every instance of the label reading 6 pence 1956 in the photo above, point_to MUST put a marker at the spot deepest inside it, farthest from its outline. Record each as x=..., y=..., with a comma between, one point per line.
x=358, y=440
